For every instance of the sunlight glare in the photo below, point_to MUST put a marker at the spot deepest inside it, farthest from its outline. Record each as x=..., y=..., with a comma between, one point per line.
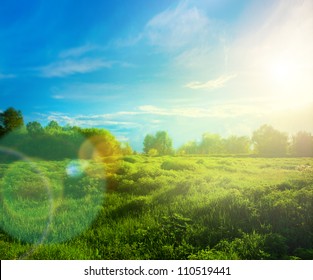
x=281, y=72
x=287, y=80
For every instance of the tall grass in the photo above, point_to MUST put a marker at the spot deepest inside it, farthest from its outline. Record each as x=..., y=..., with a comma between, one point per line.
x=139, y=207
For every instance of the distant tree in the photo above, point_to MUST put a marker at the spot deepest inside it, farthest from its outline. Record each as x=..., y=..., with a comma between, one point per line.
x=10, y=120
x=148, y=143
x=161, y=142
x=126, y=149
x=53, y=127
x=211, y=144
x=153, y=152
x=269, y=141
x=67, y=127
x=189, y=148
x=34, y=128
x=237, y=145
x=100, y=142
x=302, y=144
x=2, y=130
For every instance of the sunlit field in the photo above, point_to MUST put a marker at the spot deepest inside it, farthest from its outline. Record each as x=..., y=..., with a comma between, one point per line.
x=166, y=207
x=156, y=130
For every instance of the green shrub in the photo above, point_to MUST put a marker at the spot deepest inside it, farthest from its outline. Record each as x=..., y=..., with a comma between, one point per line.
x=178, y=165
x=248, y=247
x=304, y=254
x=130, y=159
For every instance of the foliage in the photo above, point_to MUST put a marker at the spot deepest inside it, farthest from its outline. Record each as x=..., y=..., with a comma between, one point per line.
x=211, y=144
x=139, y=207
x=161, y=142
x=126, y=149
x=178, y=165
x=89, y=199
x=190, y=148
x=266, y=141
x=34, y=128
x=237, y=145
x=153, y=152
x=10, y=120
x=53, y=127
x=302, y=144
x=148, y=143
x=55, y=142
x=270, y=142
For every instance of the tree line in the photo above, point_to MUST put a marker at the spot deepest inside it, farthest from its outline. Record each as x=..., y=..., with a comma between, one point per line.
x=57, y=142
x=265, y=141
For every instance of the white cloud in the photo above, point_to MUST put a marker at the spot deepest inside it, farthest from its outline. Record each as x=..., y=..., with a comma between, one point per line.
x=178, y=27
x=78, y=51
x=6, y=76
x=122, y=138
x=70, y=67
x=89, y=120
x=194, y=57
x=86, y=91
x=216, y=111
x=148, y=118
x=127, y=42
x=154, y=115
x=58, y=97
x=197, y=43
x=211, y=84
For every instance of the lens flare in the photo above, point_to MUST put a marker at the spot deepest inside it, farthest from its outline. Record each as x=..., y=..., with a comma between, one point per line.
x=96, y=150
x=49, y=201
x=26, y=199
x=76, y=168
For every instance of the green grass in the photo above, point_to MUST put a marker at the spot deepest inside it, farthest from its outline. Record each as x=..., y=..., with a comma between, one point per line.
x=139, y=207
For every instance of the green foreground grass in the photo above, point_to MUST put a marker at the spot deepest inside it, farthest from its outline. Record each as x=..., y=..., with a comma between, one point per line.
x=139, y=207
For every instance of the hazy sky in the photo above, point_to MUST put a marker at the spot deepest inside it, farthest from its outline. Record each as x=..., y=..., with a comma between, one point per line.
x=135, y=67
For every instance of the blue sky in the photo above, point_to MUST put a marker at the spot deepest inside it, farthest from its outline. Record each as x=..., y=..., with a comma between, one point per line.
x=136, y=67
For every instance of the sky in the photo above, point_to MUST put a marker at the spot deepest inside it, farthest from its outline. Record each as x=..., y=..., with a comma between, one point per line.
x=137, y=67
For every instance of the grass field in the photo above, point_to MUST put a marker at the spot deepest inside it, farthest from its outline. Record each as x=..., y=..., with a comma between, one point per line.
x=139, y=207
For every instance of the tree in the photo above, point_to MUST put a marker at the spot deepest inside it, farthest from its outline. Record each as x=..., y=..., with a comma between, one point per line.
x=34, y=128
x=10, y=120
x=148, y=143
x=100, y=143
x=152, y=153
x=269, y=141
x=190, y=147
x=237, y=145
x=53, y=127
x=161, y=142
x=302, y=144
x=126, y=149
x=211, y=144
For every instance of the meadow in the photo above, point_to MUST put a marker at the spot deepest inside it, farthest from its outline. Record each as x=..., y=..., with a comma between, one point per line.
x=167, y=207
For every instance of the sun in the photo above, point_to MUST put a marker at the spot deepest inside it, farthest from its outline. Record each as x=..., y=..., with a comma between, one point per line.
x=287, y=82
x=283, y=72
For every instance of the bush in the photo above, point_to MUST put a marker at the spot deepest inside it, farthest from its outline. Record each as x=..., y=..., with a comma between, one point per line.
x=248, y=247
x=304, y=254
x=125, y=168
x=130, y=159
x=153, y=152
x=178, y=165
